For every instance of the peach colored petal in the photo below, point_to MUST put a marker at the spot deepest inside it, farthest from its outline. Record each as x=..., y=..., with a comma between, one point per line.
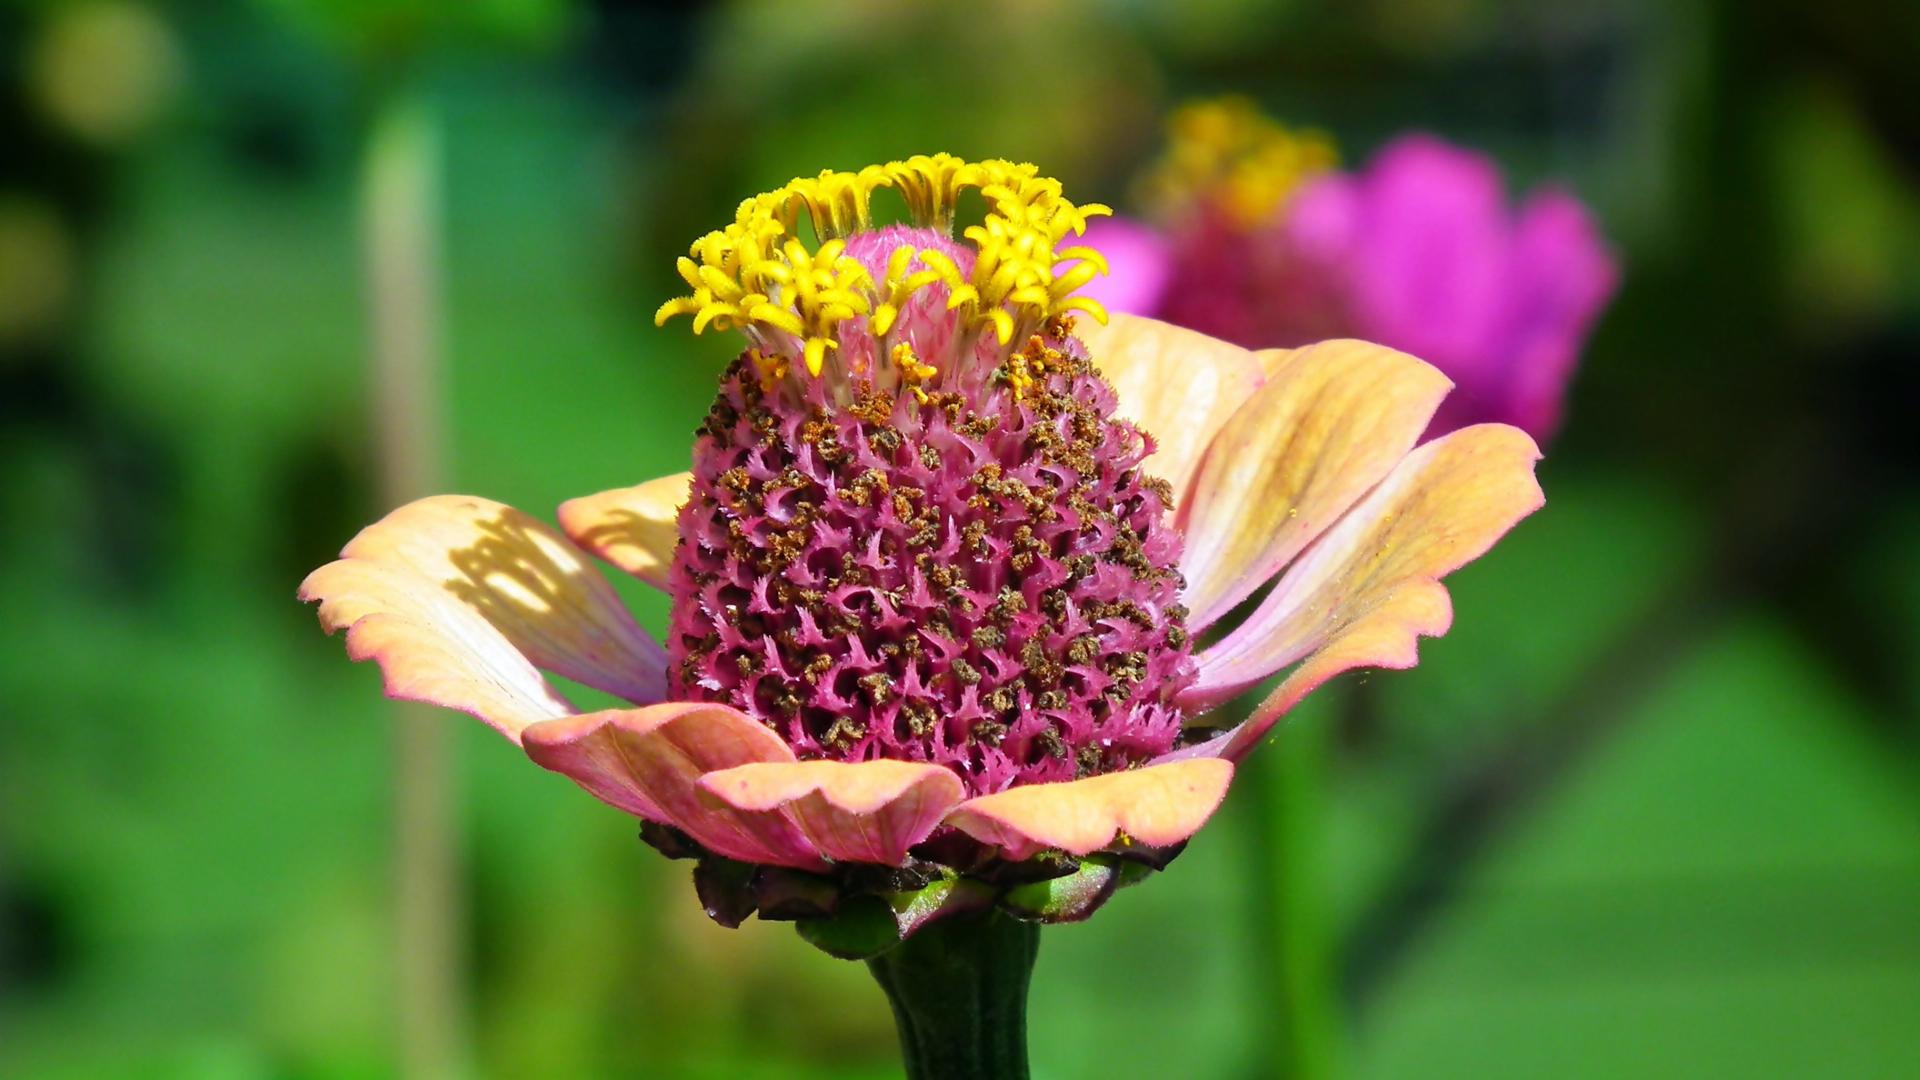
x=430, y=645
x=1326, y=427
x=1156, y=806
x=866, y=812
x=634, y=528
x=1368, y=590
x=538, y=592
x=649, y=762
x=1175, y=384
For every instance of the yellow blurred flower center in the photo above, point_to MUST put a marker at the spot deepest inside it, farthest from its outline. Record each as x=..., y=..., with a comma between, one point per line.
x=1227, y=153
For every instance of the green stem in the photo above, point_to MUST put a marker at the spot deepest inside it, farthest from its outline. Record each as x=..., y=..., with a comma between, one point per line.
x=959, y=995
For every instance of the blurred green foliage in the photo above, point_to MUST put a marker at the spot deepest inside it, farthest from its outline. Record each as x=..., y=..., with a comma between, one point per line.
x=384, y=29
x=1652, y=808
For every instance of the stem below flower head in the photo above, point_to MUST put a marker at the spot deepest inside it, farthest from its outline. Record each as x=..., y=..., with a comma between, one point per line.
x=959, y=995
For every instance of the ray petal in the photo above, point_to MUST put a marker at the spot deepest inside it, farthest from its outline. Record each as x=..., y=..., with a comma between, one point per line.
x=1329, y=424
x=865, y=811
x=1175, y=384
x=634, y=528
x=650, y=761
x=461, y=598
x=1368, y=590
x=1158, y=806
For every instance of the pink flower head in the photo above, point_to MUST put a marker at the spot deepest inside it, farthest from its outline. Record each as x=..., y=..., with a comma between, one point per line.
x=941, y=564
x=1431, y=260
x=1419, y=252
x=1139, y=265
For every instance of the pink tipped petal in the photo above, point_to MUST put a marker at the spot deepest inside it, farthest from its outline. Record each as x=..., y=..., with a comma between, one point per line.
x=649, y=762
x=430, y=645
x=1175, y=384
x=634, y=528
x=1326, y=427
x=864, y=812
x=460, y=599
x=525, y=580
x=1158, y=806
x=1371, y=588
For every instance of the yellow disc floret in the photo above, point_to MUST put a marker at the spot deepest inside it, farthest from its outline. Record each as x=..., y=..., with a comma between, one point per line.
x=913, y=372
x=794, y=297
x=929, y=184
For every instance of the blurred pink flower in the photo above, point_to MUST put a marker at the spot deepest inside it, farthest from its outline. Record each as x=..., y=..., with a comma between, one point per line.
x=1431, y=260
x=942, y=566
x=1139, y=265
x=1420, y=252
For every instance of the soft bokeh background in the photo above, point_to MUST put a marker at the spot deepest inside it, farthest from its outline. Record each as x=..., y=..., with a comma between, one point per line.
x=1653, y=808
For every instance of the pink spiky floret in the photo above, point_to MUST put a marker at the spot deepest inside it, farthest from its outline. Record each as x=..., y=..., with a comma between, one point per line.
x=983, y=580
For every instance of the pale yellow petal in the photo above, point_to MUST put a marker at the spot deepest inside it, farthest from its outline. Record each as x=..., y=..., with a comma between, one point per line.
x=430, y=645
x=1371, y=587
x=461, y=598
x=1327, y=426
x=1175, y=384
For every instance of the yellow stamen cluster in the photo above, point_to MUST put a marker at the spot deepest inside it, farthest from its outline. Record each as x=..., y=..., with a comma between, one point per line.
x=760, y=275
x=1227, y=152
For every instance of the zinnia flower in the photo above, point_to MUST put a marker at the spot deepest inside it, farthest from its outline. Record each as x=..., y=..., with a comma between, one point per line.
x=1419, y=251
x=956, y=575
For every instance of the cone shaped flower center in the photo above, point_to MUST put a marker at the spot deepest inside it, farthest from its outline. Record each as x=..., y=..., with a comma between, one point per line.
x=917, y=529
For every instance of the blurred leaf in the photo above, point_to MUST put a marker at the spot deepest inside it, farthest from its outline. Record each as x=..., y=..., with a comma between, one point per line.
x=1728, y=890
x=1850, y=216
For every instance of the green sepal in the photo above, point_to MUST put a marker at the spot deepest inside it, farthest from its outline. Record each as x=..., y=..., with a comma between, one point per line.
x=1075, y=896
x=866, y=926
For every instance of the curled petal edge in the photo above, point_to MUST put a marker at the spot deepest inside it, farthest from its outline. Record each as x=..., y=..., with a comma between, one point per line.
x=649, y=762
x=865, y=811
x=1158, y=806
x=430, y=648
x=463, y=598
